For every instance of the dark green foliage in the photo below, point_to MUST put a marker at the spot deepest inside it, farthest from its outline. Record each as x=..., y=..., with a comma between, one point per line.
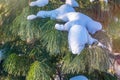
x=88, y=61
x=17, y=65
x=35, y=50
x=52, y=38
x=25, y=29
x=101, y=76
x=8, y=11
x=39, y=71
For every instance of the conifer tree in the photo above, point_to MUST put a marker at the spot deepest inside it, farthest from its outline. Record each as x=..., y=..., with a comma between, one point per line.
x=34, y=50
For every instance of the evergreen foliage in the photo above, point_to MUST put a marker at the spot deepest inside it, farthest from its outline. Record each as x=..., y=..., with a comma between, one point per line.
x=39, y=71
x=34, y=50
x=88, y=61
x=16, y=65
